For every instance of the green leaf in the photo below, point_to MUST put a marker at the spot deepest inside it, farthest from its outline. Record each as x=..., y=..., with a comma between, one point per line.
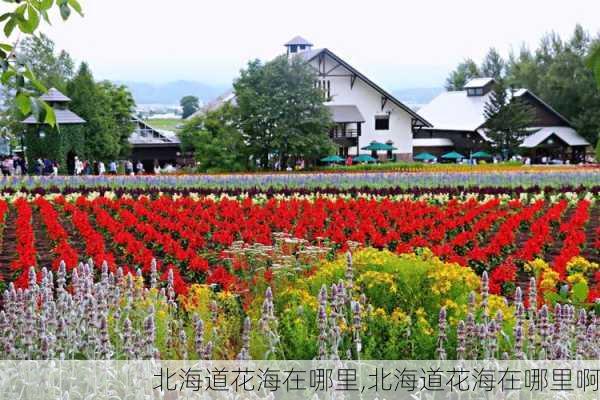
x=6, y=47
x=76, y=6
x=46, y=4
x=580, y=292
x=30, y=20
x=7, y=76
x=65, y=11
x=50, y=117
x=10, y=25
x=23, y=103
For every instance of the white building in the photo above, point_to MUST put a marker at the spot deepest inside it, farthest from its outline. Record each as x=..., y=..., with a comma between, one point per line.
x=362, y=110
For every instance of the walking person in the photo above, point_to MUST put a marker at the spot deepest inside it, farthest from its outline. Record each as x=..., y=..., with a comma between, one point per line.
x=128, y=167
x=140, y=168
x=112, y=168
x=101, y=168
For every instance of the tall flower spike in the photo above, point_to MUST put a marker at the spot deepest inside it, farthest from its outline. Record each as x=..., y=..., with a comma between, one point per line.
x=357, y=327
x=441, y=351
x=153, y=274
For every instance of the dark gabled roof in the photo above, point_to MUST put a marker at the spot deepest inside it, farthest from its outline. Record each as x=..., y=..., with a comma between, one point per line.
x=312, y=54
x=63, y=117
x=521, y=92
x=298, y=40
x=53, y=95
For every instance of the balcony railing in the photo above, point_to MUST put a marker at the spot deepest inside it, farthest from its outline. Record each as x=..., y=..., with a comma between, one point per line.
x=347, y=133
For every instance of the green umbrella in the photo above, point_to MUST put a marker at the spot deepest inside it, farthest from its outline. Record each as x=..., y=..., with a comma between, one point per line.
x=332, y=159
x=424, y=157
x=453, y=156
x=376, y=146
x=481, y=154
x=363, y=158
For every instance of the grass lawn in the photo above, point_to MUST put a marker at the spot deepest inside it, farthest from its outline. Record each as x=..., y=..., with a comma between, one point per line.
x=169, y=124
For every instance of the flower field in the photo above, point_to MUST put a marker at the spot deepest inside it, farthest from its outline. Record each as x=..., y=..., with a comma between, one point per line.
x=377, y=272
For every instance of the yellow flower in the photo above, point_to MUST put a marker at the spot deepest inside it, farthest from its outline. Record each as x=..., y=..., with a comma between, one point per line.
x=576, y=278
x=580, y=264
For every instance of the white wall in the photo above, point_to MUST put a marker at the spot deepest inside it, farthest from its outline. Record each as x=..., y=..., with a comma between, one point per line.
x=368, y=101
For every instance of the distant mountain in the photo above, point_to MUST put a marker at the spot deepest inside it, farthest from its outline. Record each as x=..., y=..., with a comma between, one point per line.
x=172, y=92
x=417, y=97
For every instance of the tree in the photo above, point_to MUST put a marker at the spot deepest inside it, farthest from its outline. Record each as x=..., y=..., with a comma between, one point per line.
x=458, y=78
x=189, y=104
x=51, y=69
x=281, y=112
x=216, y=140
x=493, y=65
x=508, y=119
x=107, y=110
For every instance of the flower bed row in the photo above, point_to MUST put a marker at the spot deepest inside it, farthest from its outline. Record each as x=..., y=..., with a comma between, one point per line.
x=190, y=235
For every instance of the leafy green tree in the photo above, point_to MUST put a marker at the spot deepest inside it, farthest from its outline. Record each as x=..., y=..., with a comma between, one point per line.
x=508, y=119
x=559, y=72
x=107, y=110
x=281, y=112
x=216, y=140
x=120, y=106
x=465, y=71
x=493, y=65
x=51, y=68
x=189, y=104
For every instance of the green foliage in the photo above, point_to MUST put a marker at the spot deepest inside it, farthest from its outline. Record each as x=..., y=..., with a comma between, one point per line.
x=216, y=141
x=51, y=69
x=598, y=150
x=465, y=71
x=281, y=112
x=508, y=119
x=107, y=111
x=493, y=65
x=561, y=73
x=25, y=16
x=189, y=104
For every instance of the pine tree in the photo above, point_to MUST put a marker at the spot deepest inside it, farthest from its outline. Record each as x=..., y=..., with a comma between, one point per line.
x=493, y=65
x=458, y=78
x=509, y=119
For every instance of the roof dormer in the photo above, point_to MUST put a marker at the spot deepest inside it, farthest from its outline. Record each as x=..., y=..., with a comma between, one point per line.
x=479, y=86
x=297, y=45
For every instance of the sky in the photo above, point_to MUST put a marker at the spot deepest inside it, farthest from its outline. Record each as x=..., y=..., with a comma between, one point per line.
x=399, y=44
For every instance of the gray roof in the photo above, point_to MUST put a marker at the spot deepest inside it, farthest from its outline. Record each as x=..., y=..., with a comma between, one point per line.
x=53, y=95
x=455, y=111
x=298, y=40
x=63, y=117
x=145, y=135
x=478, y=83
x=565, y=133
x=345, y=114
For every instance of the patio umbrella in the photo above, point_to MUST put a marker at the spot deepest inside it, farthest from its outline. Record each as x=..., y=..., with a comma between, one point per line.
x=363, y=158
x=424, y=157
x=377, y=146
x=481, y=154
x=453, y=155
x=332, y=159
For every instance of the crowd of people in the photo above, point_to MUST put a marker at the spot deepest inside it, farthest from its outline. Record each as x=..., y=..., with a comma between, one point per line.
x=13, y=165
x=16, y=166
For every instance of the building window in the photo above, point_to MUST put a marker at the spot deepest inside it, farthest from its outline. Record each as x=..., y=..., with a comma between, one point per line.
x=382, y=122
x=301, y=47
x=293, y=48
